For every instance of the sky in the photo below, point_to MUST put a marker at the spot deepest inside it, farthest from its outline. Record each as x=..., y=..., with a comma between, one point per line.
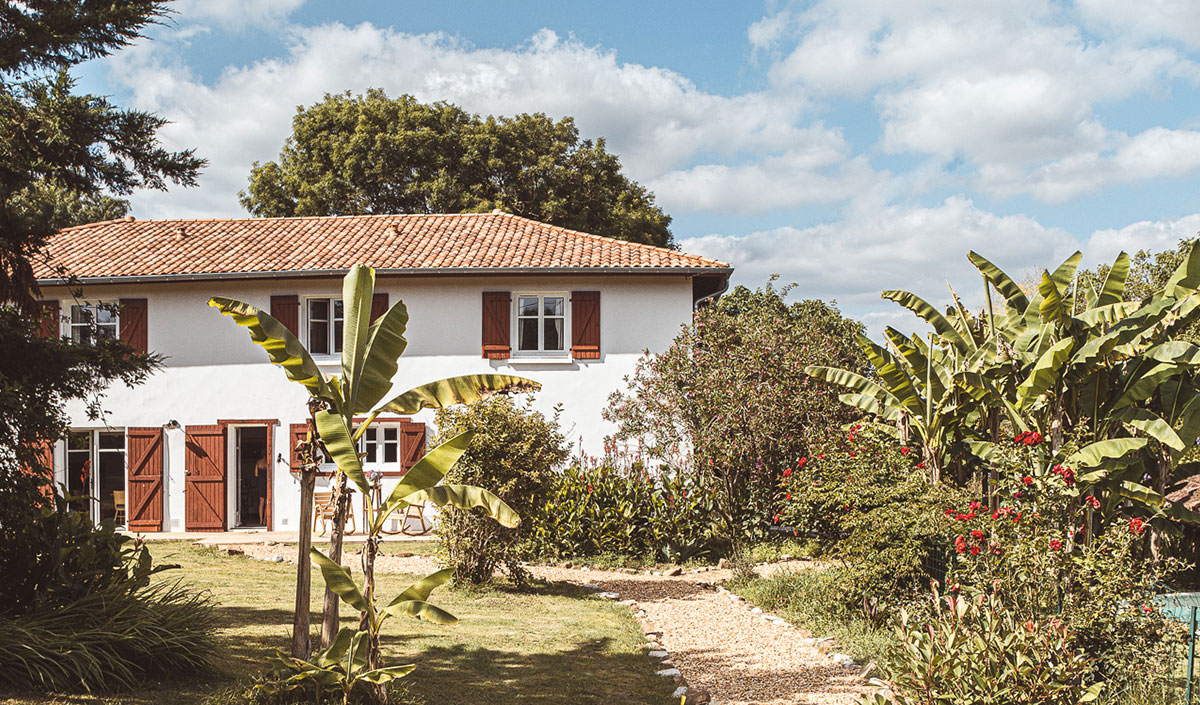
x=848, y=146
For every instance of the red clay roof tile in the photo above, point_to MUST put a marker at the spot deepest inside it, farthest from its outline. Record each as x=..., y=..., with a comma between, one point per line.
x=156, y=248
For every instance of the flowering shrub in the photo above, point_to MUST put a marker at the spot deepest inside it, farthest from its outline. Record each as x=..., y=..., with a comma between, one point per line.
x=621, y=508
x=864, y=497
x=731, y=388
x=980, y=651
x=1033, y=552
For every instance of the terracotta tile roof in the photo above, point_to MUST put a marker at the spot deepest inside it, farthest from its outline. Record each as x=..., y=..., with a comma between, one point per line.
x=159, y=248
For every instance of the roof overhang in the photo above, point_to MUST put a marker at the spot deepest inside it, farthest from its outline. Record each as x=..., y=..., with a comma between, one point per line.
x=705, y=273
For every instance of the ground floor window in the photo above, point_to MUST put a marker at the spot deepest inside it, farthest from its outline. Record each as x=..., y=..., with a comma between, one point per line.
x=95, y=474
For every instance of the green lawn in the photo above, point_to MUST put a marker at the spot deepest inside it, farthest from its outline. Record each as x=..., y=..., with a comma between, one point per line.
x=550, y=644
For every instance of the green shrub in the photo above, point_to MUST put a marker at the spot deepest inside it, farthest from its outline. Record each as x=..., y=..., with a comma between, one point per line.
x=620, y=508
x=109, y=639
x=980, y=651
x=514, y=453
x=865, y=498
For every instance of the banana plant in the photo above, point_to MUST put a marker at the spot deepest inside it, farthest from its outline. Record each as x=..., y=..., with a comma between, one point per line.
x=369, y=361
x=352, y=659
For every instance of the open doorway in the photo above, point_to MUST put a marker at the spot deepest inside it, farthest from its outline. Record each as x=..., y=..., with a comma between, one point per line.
x=252, y=456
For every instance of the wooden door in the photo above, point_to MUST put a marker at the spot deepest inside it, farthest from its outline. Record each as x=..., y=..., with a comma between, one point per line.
x=204, y=482
x=144, y=502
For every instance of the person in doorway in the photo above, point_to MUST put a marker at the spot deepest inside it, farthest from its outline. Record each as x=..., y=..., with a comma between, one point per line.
x=261, y=468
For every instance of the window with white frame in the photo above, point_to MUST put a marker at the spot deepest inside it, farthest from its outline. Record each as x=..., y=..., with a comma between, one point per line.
x=541, y=324
x=90, y=321
x=324, y=326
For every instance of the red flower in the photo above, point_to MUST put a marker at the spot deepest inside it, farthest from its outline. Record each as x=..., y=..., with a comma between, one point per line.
x=1137, y=526
x=1027, y=480
x=1055, y=545
x=976, y=534
x=1091, y=500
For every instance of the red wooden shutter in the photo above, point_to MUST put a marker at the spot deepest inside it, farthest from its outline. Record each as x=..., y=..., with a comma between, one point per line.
x=497, y=307
x=298, y=434
x=204, y=484
x=144, y=503
x=585, y=325
x=51, y=326
x=379, y=306
x=285, y=308
x=412, y=444
x=132, y=324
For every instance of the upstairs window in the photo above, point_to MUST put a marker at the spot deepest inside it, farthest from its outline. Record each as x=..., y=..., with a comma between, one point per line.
x=325, y=325
x=541, y=324
x=92, y=321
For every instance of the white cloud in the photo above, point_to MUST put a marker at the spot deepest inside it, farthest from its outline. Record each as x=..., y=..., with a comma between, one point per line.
x=1152, y=235
x=235, y=15
x=918, y=249
x=1011, y=89
x=1146, y=19
x=655, y=119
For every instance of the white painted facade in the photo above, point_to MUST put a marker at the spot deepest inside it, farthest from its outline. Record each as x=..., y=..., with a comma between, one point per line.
x=213, y=372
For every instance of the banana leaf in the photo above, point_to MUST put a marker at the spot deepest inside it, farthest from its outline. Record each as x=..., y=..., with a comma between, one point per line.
x=283, y=348
x=457, y=390
x=339, y=581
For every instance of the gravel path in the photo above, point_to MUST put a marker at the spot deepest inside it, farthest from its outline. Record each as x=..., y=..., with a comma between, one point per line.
x=716, y=641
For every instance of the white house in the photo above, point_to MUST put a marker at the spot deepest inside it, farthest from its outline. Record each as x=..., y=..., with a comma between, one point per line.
x=486, y=292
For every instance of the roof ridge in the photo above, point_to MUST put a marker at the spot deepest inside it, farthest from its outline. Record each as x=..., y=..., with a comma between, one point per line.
x=608, y=238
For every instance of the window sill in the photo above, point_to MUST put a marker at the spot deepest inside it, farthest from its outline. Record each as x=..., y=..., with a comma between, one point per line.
x=541, y=361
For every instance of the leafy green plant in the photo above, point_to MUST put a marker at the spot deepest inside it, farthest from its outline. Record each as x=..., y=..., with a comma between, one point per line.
x=618, y=507
x=977, y=651
x=110, y=638
x=515, y=451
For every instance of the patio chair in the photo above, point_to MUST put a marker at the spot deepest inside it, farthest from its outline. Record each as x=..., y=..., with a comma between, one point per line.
x=323, y=509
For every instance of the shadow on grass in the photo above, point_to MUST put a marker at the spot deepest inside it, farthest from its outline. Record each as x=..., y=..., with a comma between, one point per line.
x=589, y=674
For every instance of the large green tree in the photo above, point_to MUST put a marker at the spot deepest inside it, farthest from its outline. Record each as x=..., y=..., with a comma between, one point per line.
x=360, y=154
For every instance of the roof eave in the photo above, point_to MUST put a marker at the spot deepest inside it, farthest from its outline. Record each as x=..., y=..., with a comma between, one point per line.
x=383, y=272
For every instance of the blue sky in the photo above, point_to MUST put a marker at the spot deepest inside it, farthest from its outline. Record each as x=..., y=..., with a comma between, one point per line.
x=847, y=145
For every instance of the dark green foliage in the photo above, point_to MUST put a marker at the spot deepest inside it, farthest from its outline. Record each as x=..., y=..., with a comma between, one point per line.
x=109, y=639
x=731, y=388
x=514, y=452
x=359, y=154
x=78, y=144
x=624, y=510
x=864, y=497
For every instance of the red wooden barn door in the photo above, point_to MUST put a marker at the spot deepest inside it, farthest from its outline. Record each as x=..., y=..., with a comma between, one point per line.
x=144, y=503
x=204, y=485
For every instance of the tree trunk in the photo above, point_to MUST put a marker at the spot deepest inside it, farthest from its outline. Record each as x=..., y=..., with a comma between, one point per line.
x=329, y=616
x=308, y=480
x=374, y=660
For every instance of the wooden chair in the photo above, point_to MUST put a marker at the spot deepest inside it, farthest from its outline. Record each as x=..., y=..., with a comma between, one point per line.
x=415, y=512
x=119, y=508
x=323, y=510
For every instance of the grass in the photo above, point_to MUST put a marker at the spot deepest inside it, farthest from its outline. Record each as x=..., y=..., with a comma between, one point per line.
x=795, y=597
x=549, y=644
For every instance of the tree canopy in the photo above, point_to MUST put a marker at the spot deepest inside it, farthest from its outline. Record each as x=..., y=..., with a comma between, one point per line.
x=64, y=146
x=363, y=154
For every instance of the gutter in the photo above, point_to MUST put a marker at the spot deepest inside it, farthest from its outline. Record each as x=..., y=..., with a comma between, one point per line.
x=398, y=272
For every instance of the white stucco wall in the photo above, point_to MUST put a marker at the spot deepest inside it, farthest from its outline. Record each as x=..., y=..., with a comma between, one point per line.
x=213, y=372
